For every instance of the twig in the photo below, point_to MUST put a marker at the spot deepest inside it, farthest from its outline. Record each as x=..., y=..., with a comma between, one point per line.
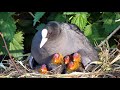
x=109, y=36
x=31, y=14
x=9, y=53
x=116, y=59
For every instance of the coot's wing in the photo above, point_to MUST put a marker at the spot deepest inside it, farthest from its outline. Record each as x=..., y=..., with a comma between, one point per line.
x=36, y=46
x=32, y=63
x=66, y=26
x=85, y=47
x=75, y=28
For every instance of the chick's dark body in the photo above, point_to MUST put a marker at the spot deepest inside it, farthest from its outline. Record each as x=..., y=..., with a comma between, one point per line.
x=66, y=42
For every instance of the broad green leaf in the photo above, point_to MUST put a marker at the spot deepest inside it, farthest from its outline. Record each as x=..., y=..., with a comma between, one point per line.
x=52, y=16
x=16, y=45
x=19, y=37
x=56, y=17
x=94, y=32
x=60, y=18
x=80, y=20
x=41, y=26
x=109, y=22
x=7, y=25
x=88, y=30
x=38, y=15
x=117, y=15
x=94, y=17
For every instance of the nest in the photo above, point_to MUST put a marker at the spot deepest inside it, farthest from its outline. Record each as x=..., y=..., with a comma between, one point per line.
x=108, y=66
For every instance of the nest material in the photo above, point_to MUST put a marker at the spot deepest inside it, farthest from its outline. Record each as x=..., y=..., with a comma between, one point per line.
x=107, y=67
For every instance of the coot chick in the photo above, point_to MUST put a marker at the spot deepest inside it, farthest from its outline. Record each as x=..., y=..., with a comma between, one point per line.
x=43, y=69
x=57, y=64
x=74, y=63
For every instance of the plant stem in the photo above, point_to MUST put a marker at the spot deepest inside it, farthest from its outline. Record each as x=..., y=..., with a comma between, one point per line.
x=9, y=53
x=31, y=14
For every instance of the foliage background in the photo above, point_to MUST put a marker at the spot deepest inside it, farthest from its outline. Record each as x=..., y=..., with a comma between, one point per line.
x=18, y=28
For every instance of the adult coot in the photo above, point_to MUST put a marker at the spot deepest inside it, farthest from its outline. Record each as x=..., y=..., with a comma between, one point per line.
x=62, y=38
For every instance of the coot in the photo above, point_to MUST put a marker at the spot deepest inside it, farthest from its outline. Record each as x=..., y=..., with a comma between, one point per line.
x=62, y=38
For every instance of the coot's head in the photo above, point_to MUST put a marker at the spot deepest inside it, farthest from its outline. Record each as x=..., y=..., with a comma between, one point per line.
x=76, y=57
x=43, y=69
x=51, y=31
x=57, y=59
x=67, y=59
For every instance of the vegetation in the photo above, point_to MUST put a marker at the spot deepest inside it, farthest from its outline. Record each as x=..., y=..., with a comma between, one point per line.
x=18, y=29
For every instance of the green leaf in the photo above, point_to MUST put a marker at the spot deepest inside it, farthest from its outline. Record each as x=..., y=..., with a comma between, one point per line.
x=97, y=31
x=117, y=15
x=41, y=26
x=7, y=25
x=93, y=32
x=52, y=16
x=56, y=17
x=19, y=37
x=109, y=22
x=38, y=15
x=16, y=45
x=70, y=13
x=88, y=30
x=80, y=20
x=60, y=18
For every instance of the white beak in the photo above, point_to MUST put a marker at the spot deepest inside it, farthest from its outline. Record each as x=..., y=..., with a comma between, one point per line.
x=44, y=39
